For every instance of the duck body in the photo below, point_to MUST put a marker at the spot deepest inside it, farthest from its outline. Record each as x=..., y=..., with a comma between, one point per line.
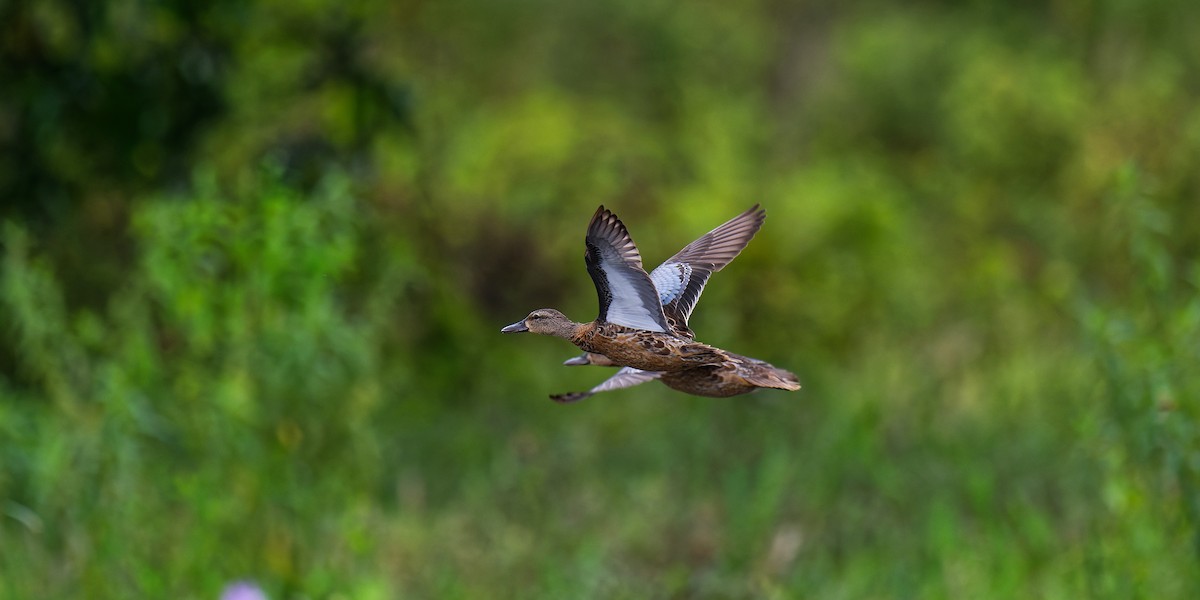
x=644, y=350
x=642, y=324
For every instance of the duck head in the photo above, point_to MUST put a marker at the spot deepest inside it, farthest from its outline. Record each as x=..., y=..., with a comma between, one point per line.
x=545, y=321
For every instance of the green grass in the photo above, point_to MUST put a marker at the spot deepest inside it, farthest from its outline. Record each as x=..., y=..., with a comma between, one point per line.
x=235, y=412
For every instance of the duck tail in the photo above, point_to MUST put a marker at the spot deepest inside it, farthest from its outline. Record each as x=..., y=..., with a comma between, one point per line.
x=769, y=376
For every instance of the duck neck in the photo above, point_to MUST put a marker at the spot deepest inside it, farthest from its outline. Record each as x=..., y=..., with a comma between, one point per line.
x=572, y=331
x=566, y=329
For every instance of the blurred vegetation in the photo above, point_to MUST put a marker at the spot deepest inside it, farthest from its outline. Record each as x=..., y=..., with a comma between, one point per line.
x=256, y=255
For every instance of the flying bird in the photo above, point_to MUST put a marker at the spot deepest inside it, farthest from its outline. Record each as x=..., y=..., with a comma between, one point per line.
x=680, y=280
x=633, y=329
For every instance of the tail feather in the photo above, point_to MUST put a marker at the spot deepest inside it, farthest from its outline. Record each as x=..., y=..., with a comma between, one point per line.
x=768, y=376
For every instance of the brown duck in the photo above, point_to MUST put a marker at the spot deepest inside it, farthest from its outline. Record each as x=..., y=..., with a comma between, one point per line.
x=680, y=281
x=632, y=329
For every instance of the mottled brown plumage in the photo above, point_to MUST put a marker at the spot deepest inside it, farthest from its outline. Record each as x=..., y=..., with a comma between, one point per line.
x=640, y=349
x=645, y=350
x=680, y=280
x=642, y=325
x=734, y=376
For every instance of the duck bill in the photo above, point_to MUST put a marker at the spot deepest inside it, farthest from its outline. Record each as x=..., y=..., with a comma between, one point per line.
x=577, y=361
x=517, y=327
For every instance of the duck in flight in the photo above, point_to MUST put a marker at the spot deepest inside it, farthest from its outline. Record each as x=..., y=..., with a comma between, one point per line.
x=633, y=329
x=680, y=280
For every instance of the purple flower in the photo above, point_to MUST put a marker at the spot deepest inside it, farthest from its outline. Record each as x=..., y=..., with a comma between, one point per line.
x=243, y=590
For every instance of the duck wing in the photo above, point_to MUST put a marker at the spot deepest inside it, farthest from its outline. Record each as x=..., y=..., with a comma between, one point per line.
x=626, y=377
x=681, y=279
x=627, y=296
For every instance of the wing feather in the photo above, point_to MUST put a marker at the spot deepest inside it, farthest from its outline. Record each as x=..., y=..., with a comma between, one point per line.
x=626, y=377
x=626, y=293
x=681, y=279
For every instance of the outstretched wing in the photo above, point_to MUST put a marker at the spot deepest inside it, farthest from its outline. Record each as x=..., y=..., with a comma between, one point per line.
x=626, y=377
x=681, y=279
x=627, y=296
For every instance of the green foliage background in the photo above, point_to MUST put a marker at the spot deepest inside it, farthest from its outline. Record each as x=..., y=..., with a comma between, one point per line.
x=256, y=256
